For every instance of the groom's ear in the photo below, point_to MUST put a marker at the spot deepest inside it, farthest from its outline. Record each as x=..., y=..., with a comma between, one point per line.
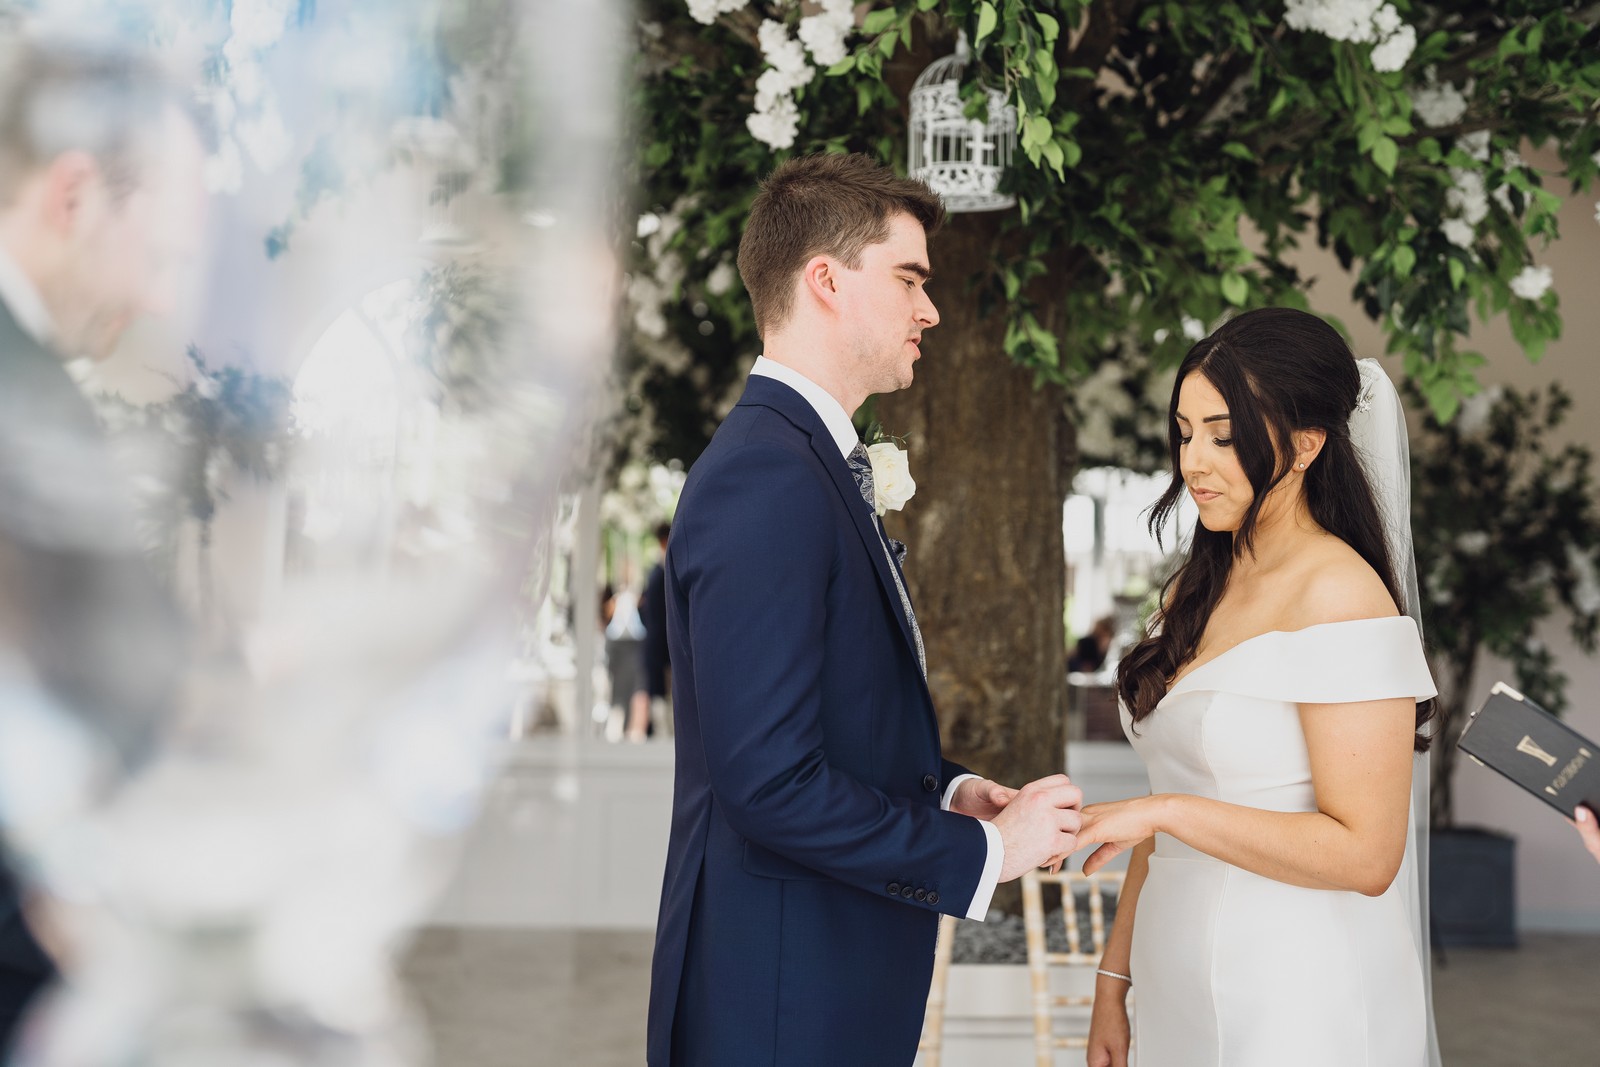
x=820, y=277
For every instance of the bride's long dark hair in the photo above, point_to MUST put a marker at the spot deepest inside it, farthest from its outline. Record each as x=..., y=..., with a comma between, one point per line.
x=1279, y=370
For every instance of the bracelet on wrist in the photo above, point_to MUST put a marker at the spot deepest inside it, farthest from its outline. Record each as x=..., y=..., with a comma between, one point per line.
x=1114, y=974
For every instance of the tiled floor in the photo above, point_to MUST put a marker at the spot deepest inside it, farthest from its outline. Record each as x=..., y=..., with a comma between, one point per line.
x=554, y=998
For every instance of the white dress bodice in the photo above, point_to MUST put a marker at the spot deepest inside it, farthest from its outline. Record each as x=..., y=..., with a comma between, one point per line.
x=1237, y=969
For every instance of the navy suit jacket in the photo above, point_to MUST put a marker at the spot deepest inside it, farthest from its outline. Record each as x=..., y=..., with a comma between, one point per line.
x=77, y=604
x=809, y=857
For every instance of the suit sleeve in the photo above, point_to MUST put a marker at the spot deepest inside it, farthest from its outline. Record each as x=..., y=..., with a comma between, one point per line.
x=754, y=572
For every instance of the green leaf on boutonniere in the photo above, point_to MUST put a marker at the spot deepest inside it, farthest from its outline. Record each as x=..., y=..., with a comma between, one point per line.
x=874, y=434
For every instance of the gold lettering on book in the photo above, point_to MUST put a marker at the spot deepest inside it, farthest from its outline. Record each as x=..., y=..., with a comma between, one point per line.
x=1573, y=766
x=1530, y=747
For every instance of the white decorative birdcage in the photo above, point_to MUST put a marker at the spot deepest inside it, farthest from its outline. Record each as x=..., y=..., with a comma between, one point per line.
x=961, y=159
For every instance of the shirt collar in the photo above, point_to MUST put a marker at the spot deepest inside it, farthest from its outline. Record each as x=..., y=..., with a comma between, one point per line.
x=822, y=402
x=22, y=298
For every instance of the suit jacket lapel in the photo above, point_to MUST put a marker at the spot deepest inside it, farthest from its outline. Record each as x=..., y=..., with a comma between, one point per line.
x=768, y=392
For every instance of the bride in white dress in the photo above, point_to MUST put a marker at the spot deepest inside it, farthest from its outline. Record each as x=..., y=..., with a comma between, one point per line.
x=1270, y=913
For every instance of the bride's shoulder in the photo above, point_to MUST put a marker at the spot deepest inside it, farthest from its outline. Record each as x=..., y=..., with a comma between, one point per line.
x=1340, y=586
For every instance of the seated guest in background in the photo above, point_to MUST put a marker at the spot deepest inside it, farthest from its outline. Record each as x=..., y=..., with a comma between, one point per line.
x=1090, y=653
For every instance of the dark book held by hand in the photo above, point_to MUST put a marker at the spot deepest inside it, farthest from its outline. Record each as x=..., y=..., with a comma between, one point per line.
x=1519, y=739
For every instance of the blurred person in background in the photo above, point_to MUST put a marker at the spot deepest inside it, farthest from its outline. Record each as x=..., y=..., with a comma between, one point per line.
x=625, y=664
x=1090, y=654
x=653, y=612
x=101, y=202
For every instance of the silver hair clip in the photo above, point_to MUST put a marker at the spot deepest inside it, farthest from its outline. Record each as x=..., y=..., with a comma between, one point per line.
x=1364, y=401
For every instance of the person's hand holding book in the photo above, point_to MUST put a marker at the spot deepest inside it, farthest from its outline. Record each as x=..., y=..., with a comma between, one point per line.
x=1589, y=830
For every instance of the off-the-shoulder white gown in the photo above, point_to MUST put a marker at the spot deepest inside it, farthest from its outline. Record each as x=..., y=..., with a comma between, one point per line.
x=1235, y=970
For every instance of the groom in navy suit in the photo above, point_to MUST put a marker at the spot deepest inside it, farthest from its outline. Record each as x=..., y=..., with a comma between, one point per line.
x=101, y=189
x=817, y=833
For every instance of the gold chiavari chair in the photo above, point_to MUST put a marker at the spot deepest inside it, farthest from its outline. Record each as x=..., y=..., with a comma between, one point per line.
x=1077, y=891
x=932, y=1044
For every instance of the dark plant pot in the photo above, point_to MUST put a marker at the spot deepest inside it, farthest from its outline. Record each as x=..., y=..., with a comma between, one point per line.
x=1472, y=887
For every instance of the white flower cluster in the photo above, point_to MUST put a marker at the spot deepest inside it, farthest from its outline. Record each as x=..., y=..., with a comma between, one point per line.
x=1468, y=196
x=1467, y=199
x=1586, y=590
x=823, y=34
x=246, y=113
x=1596, y=158
x=1531, y=283
x=1475, y=144
x=1119, y=426
x=721, y=278
x=1509, y=162
x=644, y=494
x=776, y=118
x=1439, y=105
x=1473, y=418
x=648, y=293
x=706, y=11
x=1360, y=21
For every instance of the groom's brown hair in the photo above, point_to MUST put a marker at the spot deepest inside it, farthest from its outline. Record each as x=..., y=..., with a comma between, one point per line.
x=831, y=205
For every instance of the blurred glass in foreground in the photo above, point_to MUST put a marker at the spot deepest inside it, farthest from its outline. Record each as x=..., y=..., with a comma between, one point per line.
x=264, y=568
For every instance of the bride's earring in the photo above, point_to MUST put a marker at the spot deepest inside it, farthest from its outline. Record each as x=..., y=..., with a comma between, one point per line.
x=1300, y=466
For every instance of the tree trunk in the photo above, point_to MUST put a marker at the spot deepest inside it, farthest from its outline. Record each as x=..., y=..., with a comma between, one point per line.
x=986, y=569
x=1450, y=712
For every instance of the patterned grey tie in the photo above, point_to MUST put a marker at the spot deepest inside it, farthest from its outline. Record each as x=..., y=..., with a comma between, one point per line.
x=861, y=467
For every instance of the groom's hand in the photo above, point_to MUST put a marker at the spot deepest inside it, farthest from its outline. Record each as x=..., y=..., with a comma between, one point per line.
x=1038, y=824
x=981, y=798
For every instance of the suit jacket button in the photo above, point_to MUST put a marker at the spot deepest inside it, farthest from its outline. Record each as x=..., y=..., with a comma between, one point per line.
x=933, y=898
x=930, y=783
x=894, y=888
x=906, y=891
x=922, y=894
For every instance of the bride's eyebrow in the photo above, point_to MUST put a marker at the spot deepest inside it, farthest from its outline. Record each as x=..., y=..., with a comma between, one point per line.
x=1224, y=417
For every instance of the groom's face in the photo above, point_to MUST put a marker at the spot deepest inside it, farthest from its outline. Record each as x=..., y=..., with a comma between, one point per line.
x=886, y=308
x=127, y=251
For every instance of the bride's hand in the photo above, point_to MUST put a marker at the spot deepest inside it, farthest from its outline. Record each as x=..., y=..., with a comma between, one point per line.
x=1109, y=1033
x=1117, y=827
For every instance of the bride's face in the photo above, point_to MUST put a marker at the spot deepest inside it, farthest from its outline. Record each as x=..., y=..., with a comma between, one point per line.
x=1206, y=457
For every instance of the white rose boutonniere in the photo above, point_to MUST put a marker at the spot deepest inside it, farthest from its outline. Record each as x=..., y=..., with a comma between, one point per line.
x=891, y=476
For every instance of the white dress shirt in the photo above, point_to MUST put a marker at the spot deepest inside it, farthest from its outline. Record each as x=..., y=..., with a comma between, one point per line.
x=838, y=424
x=21, y=297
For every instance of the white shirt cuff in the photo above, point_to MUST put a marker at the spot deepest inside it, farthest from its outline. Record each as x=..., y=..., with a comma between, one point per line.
x=979, y=909
x=991, y=873
x=950, y=790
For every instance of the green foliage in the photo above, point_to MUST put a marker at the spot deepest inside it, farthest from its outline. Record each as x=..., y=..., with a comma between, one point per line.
x=1507, y=533
x=225, y=421
x=1506, y=530
x=457, y=332
x=1152, y=137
